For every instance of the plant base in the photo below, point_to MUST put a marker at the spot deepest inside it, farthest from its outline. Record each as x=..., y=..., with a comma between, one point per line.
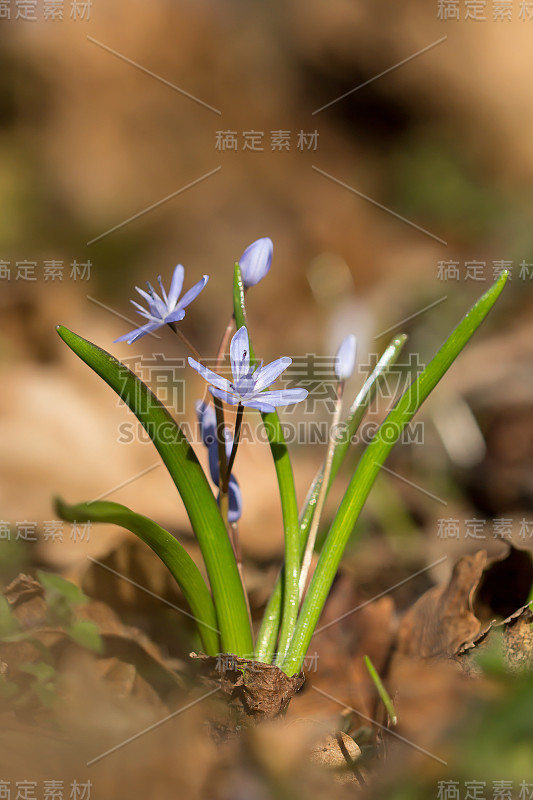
x=255, y=691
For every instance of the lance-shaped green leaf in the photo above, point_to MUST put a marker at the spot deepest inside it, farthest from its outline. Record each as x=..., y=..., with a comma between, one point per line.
x=170, y=551
x=287, y=491
x=368, y=470
x=266, y=638
x=188, y=475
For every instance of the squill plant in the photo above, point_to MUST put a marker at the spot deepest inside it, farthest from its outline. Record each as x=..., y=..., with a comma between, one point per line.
x=219, y=605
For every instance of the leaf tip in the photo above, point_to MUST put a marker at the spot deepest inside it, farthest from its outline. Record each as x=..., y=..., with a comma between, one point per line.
x=400, y=339
x=59, y=506
x=62, y=331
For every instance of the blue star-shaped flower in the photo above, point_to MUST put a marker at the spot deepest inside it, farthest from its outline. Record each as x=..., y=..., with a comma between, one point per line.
x=165, y=309
x=249, y=383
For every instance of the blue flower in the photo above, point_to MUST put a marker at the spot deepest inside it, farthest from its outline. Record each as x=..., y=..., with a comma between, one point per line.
x=165, y=309
x=255, y=261
x=345, y=358
x=249, y=382
x=208, y=426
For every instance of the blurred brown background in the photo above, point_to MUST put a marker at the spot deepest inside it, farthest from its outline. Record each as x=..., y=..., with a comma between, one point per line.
x=89, y=139
x=417, y=194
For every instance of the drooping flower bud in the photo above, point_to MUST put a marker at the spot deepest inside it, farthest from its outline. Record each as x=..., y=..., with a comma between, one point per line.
x=255, y=261
x=345, y=358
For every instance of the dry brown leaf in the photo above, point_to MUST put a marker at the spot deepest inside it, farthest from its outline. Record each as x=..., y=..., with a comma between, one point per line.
x=450, y=618
x=442, y=619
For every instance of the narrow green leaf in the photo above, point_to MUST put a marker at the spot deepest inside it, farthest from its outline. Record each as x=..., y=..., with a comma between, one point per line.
x=368, y=469
x=266, y=638
x=385, y=697
x=170, y=551
x=289, y=506
x=186, y=472
x=289, y=511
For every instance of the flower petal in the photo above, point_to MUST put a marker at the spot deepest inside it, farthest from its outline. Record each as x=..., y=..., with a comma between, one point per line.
x=345, y=358
x=234, y=500
x=175, y=315
x=228, y=397
x=155, y=309
x=264, y=376
x=144, y=294
x=176, y=285
x=193, y=293
x=281, y=397
x=141, y=310
x=210, y=376
x=208, y=428
x=255, y=261
x=259, y=405
x=208, y=422
x=132, y=336
x=163, y=292
x=239, y=352
x=155, y=302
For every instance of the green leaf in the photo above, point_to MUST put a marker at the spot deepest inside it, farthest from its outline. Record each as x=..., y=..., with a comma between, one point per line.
x=57, y=586
x=384, y=695
x=368, y=470
x=39, y=669
x=189, y=478
x=266, y=638
x=169, y=550
x=289, y=505
x=86, y=633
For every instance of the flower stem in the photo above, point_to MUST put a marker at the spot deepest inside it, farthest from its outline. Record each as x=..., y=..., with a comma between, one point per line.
x=224, y=342
x=224, y=484
x=308, y=555
x=220, y=353
x=222, y=465
x=173, y=327
x=236, y=544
